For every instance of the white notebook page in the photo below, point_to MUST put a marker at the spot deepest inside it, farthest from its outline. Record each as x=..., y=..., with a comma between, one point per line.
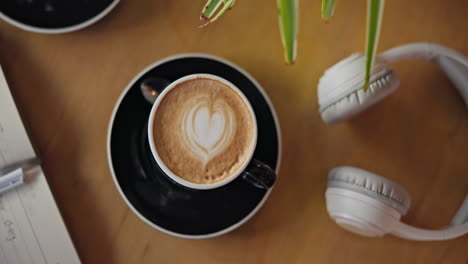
x=31, y=228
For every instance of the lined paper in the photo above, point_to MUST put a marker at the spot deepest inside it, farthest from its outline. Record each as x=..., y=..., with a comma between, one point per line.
x=31, y=228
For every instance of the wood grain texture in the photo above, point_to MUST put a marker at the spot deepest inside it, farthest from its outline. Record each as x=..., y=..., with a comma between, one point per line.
x=66, y=86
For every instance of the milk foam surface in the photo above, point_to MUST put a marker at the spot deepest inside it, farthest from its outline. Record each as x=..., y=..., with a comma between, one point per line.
x=203, y=131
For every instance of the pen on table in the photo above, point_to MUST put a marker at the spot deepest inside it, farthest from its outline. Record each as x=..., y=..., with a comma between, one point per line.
x=13, y=175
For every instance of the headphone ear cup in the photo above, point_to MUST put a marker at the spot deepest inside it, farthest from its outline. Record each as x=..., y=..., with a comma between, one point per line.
x=360, y=214
x=341, y=92
x=363, y=202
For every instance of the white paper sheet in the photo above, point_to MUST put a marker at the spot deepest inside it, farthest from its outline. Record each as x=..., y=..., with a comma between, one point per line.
x=31, y=228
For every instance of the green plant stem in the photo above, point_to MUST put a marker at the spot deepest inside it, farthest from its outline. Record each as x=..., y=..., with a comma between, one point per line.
x=328, y=8
x=288, y=23
x=210, y=8
x=227, y=5
x=374, y=21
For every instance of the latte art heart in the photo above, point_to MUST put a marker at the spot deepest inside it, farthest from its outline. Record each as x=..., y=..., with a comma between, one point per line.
x=207, y=127
x=203, y=131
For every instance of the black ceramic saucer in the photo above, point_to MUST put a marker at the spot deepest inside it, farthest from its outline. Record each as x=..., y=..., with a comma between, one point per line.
x=168, y=206
x=54, y=16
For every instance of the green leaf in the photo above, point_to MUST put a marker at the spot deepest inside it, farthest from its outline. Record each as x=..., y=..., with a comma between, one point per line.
x=328, y=7
x=208, y=12
x=374, y=21
x=227, y=5
x=210, y=8
x=230, y=3
x=288, y=23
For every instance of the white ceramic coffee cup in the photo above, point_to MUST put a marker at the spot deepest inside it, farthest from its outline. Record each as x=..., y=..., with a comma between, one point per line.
x=251, y=176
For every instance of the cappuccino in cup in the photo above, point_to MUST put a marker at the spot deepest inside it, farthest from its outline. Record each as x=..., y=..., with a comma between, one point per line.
x=202, y=132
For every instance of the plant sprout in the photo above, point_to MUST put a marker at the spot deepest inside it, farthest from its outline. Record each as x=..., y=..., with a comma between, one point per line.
x=209, y=10
x=374, y=21
x=288, y=24
x=328, y=7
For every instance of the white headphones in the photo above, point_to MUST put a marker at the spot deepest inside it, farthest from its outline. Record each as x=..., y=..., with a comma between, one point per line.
x=358, y=200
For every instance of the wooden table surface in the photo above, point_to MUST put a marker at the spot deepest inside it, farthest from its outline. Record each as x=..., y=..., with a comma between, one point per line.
x=66, y=86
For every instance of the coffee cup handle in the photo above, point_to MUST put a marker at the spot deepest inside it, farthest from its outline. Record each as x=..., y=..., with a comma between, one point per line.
x=259, y=175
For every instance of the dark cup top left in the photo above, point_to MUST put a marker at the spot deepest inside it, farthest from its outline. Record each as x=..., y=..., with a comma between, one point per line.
x=53, y=14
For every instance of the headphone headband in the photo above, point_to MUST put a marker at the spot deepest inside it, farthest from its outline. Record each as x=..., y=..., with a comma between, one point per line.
x=461, y=216
x=403, y=230
x=457, y=228
x=454, y=64
x=421, y=51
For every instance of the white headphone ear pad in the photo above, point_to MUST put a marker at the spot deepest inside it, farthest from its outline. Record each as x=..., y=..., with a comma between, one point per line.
x=341, y=89
x=359, y=213
x=364, y=203
x=372, y=185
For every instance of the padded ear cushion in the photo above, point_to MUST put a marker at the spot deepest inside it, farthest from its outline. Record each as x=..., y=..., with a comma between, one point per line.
x=372, y=185
x=341, y=92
